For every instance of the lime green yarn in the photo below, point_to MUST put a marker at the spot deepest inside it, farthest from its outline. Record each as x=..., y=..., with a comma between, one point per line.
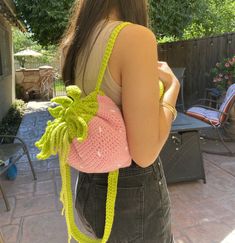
x=71, y=118
x=108, y=53
x=162, y=89
x=74, y=114
x=57, y=138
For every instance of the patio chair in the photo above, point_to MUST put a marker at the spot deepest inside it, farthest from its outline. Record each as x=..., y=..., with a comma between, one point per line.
x=180, y=74
x=213, y=94
x=218, y=118
x=13, y=151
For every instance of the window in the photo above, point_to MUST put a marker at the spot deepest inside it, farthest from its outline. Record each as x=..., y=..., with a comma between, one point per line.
x=5, y=53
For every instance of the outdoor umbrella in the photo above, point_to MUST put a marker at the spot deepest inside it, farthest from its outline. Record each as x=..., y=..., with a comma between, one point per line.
x=27, y=53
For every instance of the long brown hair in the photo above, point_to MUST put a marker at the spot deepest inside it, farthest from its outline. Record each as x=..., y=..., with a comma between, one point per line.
x=85, y=15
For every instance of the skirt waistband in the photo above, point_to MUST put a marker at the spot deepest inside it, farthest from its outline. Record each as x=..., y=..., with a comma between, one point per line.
x=133, y=169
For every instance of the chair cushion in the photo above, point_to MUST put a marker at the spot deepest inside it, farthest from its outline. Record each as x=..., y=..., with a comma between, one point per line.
x=9, y=150
x=206, y=115
x=228, y=101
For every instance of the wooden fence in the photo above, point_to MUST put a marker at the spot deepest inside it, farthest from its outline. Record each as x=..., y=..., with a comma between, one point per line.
x=198, y=56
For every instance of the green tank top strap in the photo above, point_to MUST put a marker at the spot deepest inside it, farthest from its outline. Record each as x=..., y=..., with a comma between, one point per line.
x=108, y=52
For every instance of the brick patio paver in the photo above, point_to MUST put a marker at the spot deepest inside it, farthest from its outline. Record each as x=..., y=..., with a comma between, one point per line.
x=44, y=228
x=201, y=213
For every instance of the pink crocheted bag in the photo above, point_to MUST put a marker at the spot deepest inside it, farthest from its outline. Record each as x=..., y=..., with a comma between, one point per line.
x=105, y=149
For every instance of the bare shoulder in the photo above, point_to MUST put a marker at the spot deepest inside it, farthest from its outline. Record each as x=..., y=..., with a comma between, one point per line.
x=135, y=34
x=134, y=39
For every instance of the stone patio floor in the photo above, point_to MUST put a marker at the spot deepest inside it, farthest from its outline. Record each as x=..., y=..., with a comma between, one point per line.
x=201, y=213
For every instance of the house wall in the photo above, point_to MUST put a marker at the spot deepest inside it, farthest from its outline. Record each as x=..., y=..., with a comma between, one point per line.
x=7, y=77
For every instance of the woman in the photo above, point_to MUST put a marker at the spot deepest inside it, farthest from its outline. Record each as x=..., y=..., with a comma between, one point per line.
x=142, y=211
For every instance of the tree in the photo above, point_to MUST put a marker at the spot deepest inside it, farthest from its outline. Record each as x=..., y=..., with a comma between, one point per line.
x=170, y=17
x=46, y=20
x=23, y=41
x=216, y=17
x=180, y=20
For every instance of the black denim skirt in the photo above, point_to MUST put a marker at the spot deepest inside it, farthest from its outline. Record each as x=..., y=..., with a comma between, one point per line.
x=142, y=209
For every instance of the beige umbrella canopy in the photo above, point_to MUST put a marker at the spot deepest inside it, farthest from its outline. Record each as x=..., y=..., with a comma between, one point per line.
x=21, y=55
x=28, y=52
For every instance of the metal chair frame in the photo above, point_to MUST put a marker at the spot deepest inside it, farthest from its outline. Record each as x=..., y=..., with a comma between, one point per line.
x=25, y=152
x=180, y=74
x=220, y=127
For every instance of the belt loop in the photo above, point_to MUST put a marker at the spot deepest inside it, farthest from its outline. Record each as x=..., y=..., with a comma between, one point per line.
x=161, y=170
x=160, y=161
x=90, y=177
x=155, y=170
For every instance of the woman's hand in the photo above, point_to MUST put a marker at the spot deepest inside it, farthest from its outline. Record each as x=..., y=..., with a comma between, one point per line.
x=170, y=82
x=167, y=76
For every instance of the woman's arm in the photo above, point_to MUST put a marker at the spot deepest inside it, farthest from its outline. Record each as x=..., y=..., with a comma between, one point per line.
x=172, y=87
x=147, y=122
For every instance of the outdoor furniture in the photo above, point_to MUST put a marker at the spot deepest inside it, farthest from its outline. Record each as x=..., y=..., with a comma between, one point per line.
x=13, y=151
x=181, y=155
x=23, y=55
x=213, y=95
x=218, y=118
x=29, y=81
x=36, y=83
x=180, y=74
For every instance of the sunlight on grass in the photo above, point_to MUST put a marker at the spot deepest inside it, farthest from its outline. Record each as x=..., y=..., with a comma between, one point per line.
x=229, y=238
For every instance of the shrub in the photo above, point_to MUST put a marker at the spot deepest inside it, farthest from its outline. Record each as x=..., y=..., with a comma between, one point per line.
x=11, y=121
x=224, y=73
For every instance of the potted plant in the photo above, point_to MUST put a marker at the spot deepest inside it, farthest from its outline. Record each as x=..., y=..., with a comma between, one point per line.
x=223, y=74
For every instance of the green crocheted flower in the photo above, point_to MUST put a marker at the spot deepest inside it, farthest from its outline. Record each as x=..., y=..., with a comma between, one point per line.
x=71, y=116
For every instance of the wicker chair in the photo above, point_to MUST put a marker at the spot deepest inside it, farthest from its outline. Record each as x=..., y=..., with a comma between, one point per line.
x=218, y=118
x=14, y=151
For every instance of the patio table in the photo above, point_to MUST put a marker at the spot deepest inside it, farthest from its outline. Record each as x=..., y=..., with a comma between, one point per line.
x=181, y=155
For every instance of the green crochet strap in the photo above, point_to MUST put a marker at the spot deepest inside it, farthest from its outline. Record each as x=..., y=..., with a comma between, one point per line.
x=71, y=121
x=57, y=140
x=108, y=52
x=67, y=199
